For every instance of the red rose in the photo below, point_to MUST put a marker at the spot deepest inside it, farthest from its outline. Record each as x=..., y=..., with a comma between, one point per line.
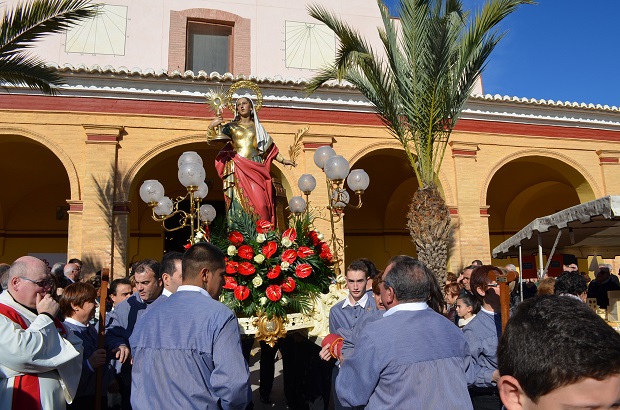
x=288, y=285
x=231, y=267
x=231, y=283
x=326, y=255
x=245, y=252
x=274, y=292
x=242, y=292
x=235, y=238
x=290, y=233
x=304, y=252
x=314, y=237
x=263, y=226
x=289, y=255
x=246, y=268
x=270, y=249
x=303, y=270
x=274, y=272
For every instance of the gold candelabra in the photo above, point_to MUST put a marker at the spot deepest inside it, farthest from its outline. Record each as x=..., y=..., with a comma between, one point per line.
x=336, y=169
x=191, y=175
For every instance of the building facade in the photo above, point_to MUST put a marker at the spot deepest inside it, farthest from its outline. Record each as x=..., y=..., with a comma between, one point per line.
x=73, y=163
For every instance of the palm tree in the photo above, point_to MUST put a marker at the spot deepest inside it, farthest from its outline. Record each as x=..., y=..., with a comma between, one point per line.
x=418, y=87
x=26, y=23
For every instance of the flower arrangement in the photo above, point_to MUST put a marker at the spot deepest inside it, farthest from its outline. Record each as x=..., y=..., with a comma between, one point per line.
x=274, y=273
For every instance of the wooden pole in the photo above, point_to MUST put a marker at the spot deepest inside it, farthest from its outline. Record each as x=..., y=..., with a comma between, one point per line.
x=103, y=296
x=504, y=296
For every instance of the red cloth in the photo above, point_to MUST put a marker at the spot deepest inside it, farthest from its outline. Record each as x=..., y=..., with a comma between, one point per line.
x=253, y=180
x=26, y=391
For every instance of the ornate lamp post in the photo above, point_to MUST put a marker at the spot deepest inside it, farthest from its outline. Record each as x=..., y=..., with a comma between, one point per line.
x=192, y=176
x=336, y=170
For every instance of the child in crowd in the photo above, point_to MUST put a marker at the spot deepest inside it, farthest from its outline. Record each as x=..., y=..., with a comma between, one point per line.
x=556, y=353
x=466, y=308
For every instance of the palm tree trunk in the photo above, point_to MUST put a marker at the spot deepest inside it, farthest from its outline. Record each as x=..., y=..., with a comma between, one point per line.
x=428, y=221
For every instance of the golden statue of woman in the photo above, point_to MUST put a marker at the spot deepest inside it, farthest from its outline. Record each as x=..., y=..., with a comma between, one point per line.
x=244, y=163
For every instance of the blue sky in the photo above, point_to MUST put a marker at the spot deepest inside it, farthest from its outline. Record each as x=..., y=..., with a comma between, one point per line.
x=567, y=50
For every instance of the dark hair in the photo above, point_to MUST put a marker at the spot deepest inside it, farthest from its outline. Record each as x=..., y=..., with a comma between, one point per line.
x=571, y=283
x=199, y=256
x=451, y=276
x=75, y=260
x=553, y=341
x=116, y=282
x=95, y=281
x=476, y=262
x=364, y=265
x=151, y=264
x=76, y=293
x=470, y=301
x=451, y=288
x=376, y=281
x=413, y=281
x=168, y=262
x=546, y=286
x=480, y=279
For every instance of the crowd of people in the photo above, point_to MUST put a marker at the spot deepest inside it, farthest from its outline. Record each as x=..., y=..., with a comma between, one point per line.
x=400, y=339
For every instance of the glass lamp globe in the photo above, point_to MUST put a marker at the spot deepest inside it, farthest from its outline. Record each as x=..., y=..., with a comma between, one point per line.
x=306, y=183
x=191, y=174
x=151, y=191
x=358, y=180
x=336, y=168
x=164, y=207
x=322, y=154
x=297, y=205
x=202, y=191
x=189, y=156
x=340, y=198
x=207, y=212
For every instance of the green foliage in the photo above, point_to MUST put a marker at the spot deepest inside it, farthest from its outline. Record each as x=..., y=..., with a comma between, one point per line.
x=243, y=241
x=432, y=59
x=28, y=22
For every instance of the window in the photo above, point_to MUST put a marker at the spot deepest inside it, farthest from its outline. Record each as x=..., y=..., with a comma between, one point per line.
x=209, y=47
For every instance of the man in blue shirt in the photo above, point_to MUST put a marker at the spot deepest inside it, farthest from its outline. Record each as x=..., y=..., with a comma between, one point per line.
x=187, y=351
x=413, y=357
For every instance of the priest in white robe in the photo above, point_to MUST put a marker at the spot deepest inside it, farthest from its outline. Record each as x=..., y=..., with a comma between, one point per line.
x=40, y=361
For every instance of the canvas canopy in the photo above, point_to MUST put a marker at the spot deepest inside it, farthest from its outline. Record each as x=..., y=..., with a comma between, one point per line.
x=588, y=229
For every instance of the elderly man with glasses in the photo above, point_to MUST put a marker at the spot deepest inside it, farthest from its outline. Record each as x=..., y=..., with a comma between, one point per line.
x=40, y=362
x=412, y=357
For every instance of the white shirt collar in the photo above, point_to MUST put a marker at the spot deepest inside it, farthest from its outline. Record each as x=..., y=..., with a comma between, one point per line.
x=166, y=293
x=192, y=288
x=488, y=312
x=74, y=322
x=411, y=306
x=362, y=302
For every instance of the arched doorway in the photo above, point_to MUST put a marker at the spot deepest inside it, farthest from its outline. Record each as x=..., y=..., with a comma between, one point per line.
x=33, y=201
x=378, y=230
x=530, y=187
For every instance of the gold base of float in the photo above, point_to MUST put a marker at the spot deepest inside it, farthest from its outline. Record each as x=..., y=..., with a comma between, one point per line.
x=316, y=323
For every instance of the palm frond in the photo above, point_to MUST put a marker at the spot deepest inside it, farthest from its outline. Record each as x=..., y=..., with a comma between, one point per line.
x=29, y=22
x=23, y=69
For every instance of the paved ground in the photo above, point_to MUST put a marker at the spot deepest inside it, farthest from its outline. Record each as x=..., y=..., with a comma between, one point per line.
x=277, y=392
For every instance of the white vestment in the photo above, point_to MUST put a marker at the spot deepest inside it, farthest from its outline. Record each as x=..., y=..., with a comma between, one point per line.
x=40, y=350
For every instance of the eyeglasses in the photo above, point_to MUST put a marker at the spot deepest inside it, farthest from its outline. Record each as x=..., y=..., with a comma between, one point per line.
x=493, y=285
x=45, y=283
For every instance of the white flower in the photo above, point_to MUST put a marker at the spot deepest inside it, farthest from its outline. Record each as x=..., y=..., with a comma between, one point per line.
x=260, y=238
x=286, y=241
x=232, y=250
x=284, y=300
x=285, y=265
x=260, y=258
x=263, y=301
x=320, y=236
x=257, y=281
x=199, y=235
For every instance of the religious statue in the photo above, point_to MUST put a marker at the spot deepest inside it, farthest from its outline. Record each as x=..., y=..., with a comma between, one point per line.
x=245, y=161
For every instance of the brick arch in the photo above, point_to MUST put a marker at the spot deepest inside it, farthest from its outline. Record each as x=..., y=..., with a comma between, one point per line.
x=241, y=37
x=444, y=183
x=539, y=153
x=135, y=168
x=74, y=180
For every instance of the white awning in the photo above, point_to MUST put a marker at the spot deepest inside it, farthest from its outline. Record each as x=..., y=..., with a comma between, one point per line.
x=588, y=229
